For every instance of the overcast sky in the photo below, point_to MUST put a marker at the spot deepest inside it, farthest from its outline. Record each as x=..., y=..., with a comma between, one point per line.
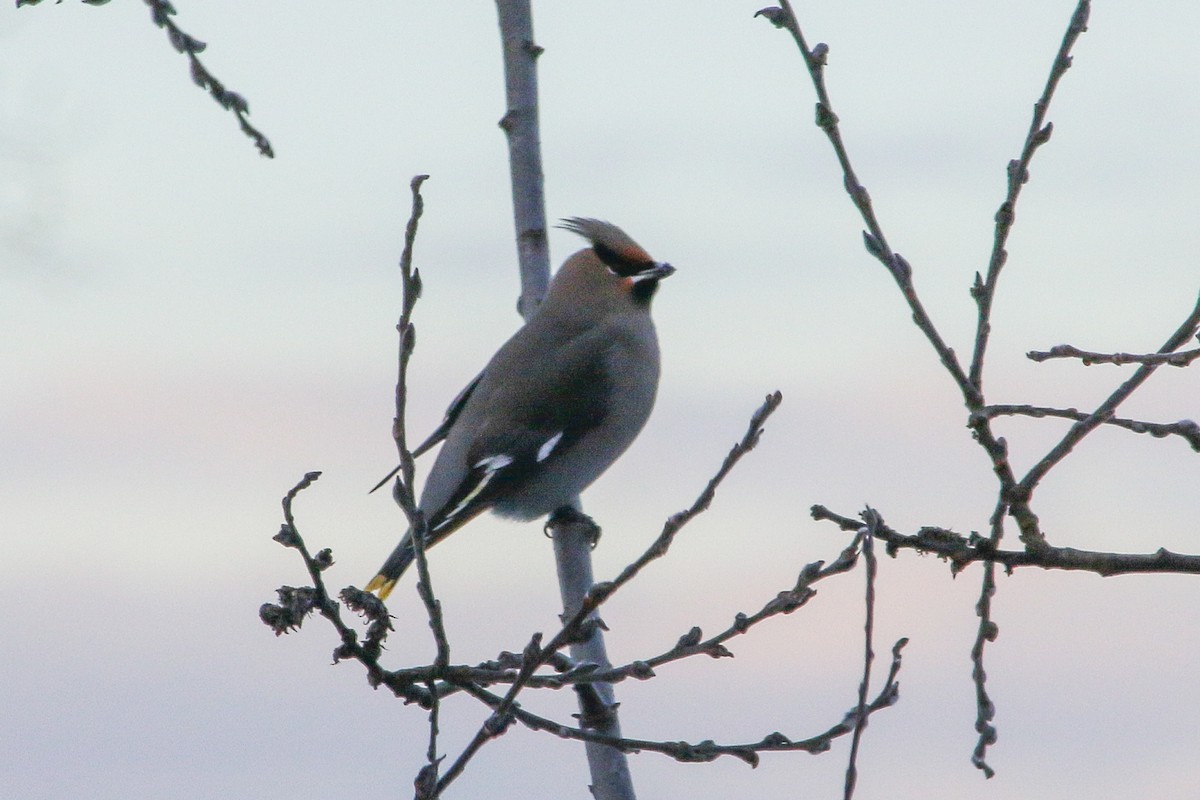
x=186, y=328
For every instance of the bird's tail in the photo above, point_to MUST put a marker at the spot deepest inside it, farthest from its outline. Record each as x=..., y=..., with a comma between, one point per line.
x=385, y=580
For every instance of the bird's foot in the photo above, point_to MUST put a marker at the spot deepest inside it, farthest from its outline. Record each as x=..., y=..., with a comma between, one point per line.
x=570, y=516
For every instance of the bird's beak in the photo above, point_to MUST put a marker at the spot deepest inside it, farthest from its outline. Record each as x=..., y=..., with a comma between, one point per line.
x=660, y=270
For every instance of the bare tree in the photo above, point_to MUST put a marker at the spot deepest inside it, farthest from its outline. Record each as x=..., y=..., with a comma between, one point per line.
x=544, y=665
x=574, y=655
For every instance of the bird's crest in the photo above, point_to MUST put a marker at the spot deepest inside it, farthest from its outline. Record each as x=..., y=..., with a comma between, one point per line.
x=609, y=241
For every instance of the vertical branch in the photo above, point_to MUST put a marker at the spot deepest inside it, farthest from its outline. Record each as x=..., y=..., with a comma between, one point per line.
x=874, y=239
x=608, y=766
x=984, y=290
x=871, y=517
x=411, y=290
x=520, y=125
x=403, y=489
x=985, y=710
x=572, y=548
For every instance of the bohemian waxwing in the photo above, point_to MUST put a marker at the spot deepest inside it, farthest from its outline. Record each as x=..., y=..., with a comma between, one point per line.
x=557, y=404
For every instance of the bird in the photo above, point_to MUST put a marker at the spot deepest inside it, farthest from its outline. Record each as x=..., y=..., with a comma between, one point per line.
x=556, y=405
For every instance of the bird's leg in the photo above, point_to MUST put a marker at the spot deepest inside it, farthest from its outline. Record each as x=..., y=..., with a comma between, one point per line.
x=570, y=515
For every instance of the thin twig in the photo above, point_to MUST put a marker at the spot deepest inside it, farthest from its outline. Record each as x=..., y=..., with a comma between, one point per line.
x=985, y=710
x=1105, y=410
x=987, y=631
x=1180, y=358
x=404, y=489
x=874, y=238
x=502, y=715
x=296, y=603
x=506, y=670
x=1185, y=428
x=692, y=643
x=984, y=290
x=901, y=271
x=867, y=536
x=961, y=551
x=161, y=12
x=1013, y=498
x=602, y=591
x=410, y=293
x=709, y=750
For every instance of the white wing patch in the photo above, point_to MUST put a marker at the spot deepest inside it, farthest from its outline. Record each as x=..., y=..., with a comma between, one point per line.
x=493, y=463
x=490, y=466
x=548, y=447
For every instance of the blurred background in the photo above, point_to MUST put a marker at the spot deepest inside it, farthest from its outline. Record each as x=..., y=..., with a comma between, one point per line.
x=186, y=328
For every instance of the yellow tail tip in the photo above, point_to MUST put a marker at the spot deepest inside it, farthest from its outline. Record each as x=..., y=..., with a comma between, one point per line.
x=382, y=585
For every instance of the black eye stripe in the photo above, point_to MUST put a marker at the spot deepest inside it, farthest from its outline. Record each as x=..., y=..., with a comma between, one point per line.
x=618, y=263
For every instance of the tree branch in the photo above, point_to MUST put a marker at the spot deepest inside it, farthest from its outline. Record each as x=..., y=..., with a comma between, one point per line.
x=1106, y=409
x=874, y=238
x=1180, y=358
x=984, y=290
x=506, y=669
x=297, y=603
x=961, y=551
x=573, y=558
x=520, y=126
x=162, y=11
x=1185, y=428
x=709, y=750
x=867, y=536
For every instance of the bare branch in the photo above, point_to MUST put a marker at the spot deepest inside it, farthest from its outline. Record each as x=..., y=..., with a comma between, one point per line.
x=867, y=537
x=602, y=591
x=876, y=243
x=985, y=710
x=710, y=750
x=1105, y=410
x=984, y=290
x=1180, y=358
x=961, y=551
x=573, y=558
x=574, y=534
x=296, y=603
x=500, y=720
x=520, y=125
x=410, y=293
x=1186, y=428
x=162, y=11
x=692, y=643
x=987, y=631
x=874, y=238
x=403, y=490
x=505, y=670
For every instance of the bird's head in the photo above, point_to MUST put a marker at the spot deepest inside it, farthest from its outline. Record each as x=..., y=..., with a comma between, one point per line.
x=615, y=269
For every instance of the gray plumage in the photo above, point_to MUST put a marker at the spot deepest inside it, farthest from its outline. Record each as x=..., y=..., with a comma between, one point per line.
x=558, y=403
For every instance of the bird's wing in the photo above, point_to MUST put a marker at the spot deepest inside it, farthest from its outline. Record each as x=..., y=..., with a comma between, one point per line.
x=456, y=407
x=545, y=422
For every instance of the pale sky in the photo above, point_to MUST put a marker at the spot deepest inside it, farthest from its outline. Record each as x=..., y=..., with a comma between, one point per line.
x=188, y=328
